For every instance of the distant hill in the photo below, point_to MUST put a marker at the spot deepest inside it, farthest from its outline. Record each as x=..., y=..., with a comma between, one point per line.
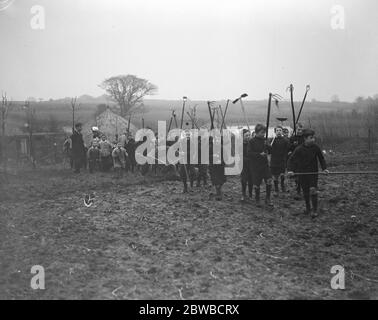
x=85, y=98
x=159, y=109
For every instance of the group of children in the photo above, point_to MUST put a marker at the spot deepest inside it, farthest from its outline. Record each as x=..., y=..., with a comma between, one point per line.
x=271, y=161
x=101, y=155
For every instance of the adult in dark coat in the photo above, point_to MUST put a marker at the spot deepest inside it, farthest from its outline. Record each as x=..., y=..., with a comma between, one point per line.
x=78, y=148
x=258, y=155
x=130, y=147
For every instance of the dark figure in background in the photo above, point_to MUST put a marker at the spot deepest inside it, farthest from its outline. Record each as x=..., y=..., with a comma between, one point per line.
x=258, y=155
x=216, y=169
x=246, y=174
x=67, y=150
x=279, y=150
x=305, y=160
x=155, y=166
x=106, y=154
x=130, y=147
x=145, y=167
x=187, y=171
x=202, y=168
x=119, y=156
x=78, y=148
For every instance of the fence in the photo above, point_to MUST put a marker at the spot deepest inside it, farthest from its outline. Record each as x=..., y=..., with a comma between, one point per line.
x=43, y=148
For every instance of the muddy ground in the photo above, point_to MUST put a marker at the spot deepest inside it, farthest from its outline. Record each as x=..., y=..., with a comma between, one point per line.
x=143, y=239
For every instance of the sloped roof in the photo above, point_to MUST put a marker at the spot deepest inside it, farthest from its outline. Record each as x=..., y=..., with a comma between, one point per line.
x=110, y=124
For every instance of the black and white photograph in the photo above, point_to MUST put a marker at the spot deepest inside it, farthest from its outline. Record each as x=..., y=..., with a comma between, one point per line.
x=198, y=152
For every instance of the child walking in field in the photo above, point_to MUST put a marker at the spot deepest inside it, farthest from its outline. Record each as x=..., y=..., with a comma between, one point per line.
x=295, y=141
x=93, y=156
x=105, y=154
x=119, y=156
x=258, y=155
x=305, y=159
x=279, y=150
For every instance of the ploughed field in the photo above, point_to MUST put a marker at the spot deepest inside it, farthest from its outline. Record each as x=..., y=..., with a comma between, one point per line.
x=143, y=239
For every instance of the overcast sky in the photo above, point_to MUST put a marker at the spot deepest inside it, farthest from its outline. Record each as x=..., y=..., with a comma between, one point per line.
x=204, y=49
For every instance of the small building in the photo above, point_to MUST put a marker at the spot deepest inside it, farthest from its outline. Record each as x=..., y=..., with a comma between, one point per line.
x=108, y=123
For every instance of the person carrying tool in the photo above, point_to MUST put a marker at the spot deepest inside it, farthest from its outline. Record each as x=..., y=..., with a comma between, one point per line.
x=202, y=168
x=295, y=141
x=93, y=156
x=279, y=150
x=258, y=155
x=305, y=159
x=187, y=171
x=78, y=148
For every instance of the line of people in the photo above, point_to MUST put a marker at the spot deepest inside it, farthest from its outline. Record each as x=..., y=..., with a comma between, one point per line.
x=268, y=161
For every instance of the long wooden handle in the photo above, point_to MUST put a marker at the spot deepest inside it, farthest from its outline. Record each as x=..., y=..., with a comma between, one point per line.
x=224, y=115
x=268, y=117
x=334, y=173
x=211, y=116
x=292, y=109
x=245, y=116
x=304, y=99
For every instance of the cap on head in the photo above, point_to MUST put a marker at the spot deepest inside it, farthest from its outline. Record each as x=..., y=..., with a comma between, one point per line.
x=259, y=127
x=308, y=132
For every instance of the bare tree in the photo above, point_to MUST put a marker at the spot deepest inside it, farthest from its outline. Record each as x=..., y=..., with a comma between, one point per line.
x=30, y=122
x=73, y=107
x=5, y=107
x=128, y=91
